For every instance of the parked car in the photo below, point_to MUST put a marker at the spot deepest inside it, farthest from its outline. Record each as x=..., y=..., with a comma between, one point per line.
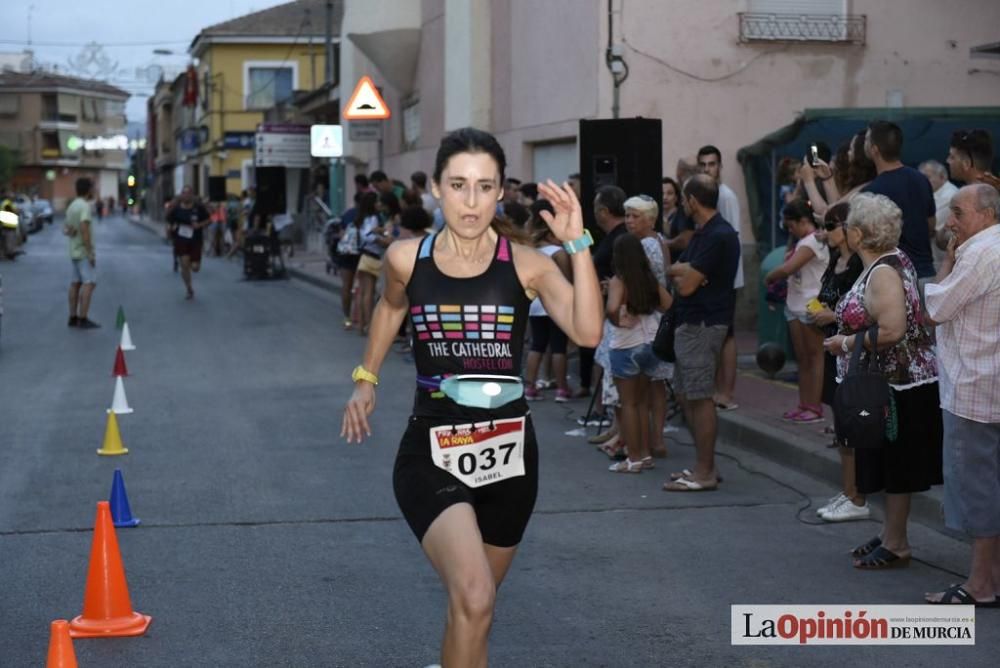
x=43, y=211
x=27, y=223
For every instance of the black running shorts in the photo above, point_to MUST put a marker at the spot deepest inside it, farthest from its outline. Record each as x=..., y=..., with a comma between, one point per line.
x=423, y=491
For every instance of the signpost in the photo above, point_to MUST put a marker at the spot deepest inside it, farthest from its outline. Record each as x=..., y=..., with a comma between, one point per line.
x=365, y=130
x=366, y=103
x=282, y=145
x=326, y=141
x=366, y=110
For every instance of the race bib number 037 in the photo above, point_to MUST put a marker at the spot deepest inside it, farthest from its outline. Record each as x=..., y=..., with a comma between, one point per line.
x=479, y=455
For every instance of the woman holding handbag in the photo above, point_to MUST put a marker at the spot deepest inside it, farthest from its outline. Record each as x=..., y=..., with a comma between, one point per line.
x=886, y=296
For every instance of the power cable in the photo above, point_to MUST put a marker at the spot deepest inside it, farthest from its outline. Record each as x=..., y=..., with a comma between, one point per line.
x=34, y=43
x=692, y=75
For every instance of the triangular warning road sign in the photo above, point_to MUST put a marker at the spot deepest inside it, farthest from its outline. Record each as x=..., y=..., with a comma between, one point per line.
x=366, y=104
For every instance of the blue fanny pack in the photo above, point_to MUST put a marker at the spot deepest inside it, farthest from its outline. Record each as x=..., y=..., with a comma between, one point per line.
x=480, y=391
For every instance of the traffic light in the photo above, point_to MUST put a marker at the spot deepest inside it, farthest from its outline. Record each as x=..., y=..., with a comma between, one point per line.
x=132, y=194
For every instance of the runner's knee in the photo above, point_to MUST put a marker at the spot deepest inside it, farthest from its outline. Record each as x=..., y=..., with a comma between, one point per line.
x=473, y=595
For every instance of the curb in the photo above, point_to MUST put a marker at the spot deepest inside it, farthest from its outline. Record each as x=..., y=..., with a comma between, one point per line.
x=322, y=282
x=761, y=439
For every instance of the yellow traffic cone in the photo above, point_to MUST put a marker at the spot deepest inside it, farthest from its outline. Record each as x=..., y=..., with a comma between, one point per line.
x=112, y=439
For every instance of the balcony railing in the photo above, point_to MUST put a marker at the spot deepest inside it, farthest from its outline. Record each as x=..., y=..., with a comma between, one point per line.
x=833, y=28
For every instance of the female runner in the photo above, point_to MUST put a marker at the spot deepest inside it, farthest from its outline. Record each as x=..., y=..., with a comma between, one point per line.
x=466, y=474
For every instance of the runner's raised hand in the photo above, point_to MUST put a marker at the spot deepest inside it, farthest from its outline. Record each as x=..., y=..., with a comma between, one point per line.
x=567, y=223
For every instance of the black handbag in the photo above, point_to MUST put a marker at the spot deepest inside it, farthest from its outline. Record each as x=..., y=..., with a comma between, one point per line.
x=861, y=403
x=663, y=342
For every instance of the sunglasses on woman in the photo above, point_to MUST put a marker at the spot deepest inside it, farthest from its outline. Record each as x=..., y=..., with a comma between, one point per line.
x=830, y=227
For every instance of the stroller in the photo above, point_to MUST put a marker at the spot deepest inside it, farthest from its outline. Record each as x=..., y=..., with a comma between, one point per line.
x=262, y=256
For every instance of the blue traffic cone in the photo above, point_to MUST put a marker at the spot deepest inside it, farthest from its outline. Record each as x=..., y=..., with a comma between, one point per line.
x=121, y=514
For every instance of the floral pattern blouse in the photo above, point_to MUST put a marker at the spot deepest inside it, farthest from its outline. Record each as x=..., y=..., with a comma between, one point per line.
x=910, y=362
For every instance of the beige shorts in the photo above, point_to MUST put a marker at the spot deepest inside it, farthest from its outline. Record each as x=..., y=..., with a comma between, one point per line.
x=370, y=265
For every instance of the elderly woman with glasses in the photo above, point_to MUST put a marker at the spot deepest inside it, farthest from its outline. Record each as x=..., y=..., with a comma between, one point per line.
x=642, y=214
x=886, y=294
x=841, y=273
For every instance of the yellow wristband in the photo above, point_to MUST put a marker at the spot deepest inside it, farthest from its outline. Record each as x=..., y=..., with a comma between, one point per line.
x=361, y=373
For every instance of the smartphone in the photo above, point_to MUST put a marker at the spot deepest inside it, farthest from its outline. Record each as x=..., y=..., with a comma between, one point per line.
x=814, y=155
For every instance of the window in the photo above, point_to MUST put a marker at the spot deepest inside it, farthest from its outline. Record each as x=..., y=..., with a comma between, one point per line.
x=90, y=109
x=50, y=112
x=113, y=108
x=50, y=145
x=69, y=108
x=411, y=124
x=9, y=104
x=267, y=86
x=801, y=21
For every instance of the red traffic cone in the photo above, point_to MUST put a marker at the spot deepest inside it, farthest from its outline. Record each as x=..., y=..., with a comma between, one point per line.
x=120, y=368
x=107, y=607
x=61, y=654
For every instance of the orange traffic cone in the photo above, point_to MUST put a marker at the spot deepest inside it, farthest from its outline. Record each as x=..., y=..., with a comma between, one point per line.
x=61, y=654
x=107, y=608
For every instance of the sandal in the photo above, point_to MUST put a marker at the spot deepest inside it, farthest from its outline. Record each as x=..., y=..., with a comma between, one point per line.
x=867, y=548
x=603, y=437
x=803, y=415
x=685, y=484
x=627, y=466
x=686, y=473
x=613, y=451
x=348, y=324
x=957, y=595
x=881, y=559
x=647, y=463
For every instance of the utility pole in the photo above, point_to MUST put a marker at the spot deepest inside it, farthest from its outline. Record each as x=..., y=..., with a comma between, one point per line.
x=329, y=42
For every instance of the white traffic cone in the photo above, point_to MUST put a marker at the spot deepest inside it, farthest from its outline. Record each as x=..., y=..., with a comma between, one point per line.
x=119, y=404
x=126, y=338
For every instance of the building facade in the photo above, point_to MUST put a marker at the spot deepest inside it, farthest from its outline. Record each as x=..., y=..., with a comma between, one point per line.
x=64, y=128
x=242, y=69
x=725, y=73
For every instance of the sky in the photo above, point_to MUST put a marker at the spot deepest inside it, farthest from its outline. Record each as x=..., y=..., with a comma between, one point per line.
x=128, y=30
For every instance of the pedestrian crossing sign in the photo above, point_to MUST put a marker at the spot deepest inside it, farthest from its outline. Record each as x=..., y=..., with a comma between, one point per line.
x=366, y=104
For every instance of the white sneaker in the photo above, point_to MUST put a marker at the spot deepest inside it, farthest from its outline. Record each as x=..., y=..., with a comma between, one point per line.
x=831, y=504
x=847, y=512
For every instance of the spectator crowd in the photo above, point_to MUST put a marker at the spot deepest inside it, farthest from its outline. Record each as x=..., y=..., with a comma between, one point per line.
x=871, y=243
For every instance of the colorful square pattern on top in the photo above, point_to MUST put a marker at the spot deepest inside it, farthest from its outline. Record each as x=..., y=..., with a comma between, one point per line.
x=467, y=323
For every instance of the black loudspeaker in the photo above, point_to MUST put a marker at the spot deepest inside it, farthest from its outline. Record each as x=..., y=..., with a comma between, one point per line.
x=623, y=152
x=217, y=189
x=271, y=190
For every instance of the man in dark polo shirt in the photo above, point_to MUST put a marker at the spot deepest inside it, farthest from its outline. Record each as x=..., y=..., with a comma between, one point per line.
x=704, y=278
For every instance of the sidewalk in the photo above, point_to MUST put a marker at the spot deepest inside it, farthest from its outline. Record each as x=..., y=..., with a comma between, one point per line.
x=756, y=426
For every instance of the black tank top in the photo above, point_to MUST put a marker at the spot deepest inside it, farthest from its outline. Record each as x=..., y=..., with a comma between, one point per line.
x=465, y=326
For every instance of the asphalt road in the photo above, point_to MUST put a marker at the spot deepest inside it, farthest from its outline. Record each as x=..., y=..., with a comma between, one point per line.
x=267, y=541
